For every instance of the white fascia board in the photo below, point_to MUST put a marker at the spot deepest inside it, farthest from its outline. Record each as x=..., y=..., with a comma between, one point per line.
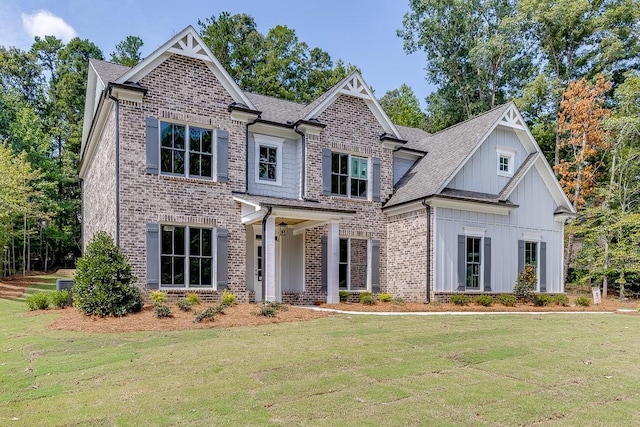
x=404, y=208
x=276, y=131
x=309, y=214
x=525, y=172
x=94, y=136
x=464, y=205
x=243, y=116
x=124, y=94
x=549, y=178
x=300, y=228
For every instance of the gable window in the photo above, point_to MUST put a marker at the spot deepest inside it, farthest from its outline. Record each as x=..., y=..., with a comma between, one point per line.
x=474, y=262
x=349, y=175
x=268, y=159
x=353, y=262
x=505, y=161
x=186, y=257
x=186, y=151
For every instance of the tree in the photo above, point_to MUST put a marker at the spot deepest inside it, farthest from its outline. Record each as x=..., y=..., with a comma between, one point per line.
x=403, y=108
x=476, y=53
x=128, y=51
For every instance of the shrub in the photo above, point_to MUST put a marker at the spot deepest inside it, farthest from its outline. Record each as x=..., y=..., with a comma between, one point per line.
x=193, y=299
x=459, y=299
x=484, y=300
x=161, y=310
x=583, y=301
x=37, y=301
x=270, y=309
x=365, y=295
x=60, y=299
x=561, y=299
x=228, y=299
x=526, y=282
x=542, y=300
x=367, y=300
x=344, y=296
x=385, y=297
x=159, y=297
x=104, y=284
x=398, y=300
x=209, y=315
x=507, y=300
x=183, y=304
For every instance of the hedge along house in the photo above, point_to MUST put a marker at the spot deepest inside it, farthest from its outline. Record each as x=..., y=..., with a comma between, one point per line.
x=206, y=187
x=479, y=206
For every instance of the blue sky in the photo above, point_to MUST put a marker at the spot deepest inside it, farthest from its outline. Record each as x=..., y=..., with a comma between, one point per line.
x=358, y=31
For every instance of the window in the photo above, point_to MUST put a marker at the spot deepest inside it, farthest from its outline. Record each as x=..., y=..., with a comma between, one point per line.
x=349, y=175
x=531, y=254
x=474, y=262
x=186, y=150
x=353, y=262
x=268, y=159
x=506, y=157
x=186, y=257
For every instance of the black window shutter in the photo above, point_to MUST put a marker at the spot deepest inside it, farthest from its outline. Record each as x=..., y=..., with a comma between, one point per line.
x=222, y=142
x=520, y=255
x=326, y=171
x=153, y=256
x=487, y=264
x=376, y=179
x=375, y=266
x=222, y=254
x=543, y=266
x=153, y=145
x=462, y=262
x=323, y=260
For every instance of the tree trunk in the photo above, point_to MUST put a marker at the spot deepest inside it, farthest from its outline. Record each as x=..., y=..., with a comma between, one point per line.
x=24, y=246
x=567, y=257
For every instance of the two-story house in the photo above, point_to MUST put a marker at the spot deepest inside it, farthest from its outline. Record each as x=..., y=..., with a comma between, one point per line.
x=206, y=187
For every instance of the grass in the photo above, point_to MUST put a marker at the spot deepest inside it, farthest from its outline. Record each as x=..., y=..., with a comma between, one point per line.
x=345, y=370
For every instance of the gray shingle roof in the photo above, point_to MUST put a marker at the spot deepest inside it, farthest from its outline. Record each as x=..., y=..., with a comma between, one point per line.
x=108, y=71
x=446, y=150
x=413, y=136
x=521, y=172
x=274, y=109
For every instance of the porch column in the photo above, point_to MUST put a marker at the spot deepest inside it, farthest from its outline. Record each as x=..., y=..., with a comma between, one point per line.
x=333, y=258
x=269, y=253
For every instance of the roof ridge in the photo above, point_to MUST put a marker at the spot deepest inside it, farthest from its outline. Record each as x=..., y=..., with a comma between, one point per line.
x=471, y=119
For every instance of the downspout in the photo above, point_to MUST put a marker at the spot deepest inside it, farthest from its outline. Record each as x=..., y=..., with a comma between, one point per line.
x=246, y=156
x=303, y=162
x=428, y=208
x=117, y=160
x=264, y=252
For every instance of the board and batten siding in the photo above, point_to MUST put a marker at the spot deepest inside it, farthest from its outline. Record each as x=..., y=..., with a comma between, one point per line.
x=291, y=164
x=534, y=216
x=480, y=173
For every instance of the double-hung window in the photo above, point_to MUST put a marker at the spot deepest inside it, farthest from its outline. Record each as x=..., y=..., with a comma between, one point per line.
x=531, y=255
x=268, y=159
x=474, y=262
x=186, y=257
x=505, y=157
x=349, y=175
x=353, y=262
x=186, y=151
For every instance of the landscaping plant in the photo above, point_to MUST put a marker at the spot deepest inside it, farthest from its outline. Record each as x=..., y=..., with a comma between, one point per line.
x=385, y=297
x=459, y=299
x=526, y=282
x=507, y=300
x=484, y=300
x=60, y=299
x=583, y=301
x=37, y=301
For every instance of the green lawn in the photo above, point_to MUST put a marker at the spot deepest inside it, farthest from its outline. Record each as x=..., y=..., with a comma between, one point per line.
x=346, y=370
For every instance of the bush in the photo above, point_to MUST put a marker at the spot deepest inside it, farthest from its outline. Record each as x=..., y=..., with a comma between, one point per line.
x=560, y=299
x=344, y=295
x=526, y=282
x=209, y=315
x=104, y=284
x=193, y=299
x=60, y=299
x=459, y=299
x=37, y=301
x=365, y=295
x=583, y=301
x=228, y=299
x=385, y=297
x=542, y=300
x=367, y=300
x=398, y=301
x=507, y=300
x=270, y=309
x=162, y=310
x=183, y=304
x=159, y=297
x=484, y=300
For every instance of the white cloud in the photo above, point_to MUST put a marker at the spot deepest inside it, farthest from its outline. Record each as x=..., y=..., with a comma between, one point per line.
x=44, y=23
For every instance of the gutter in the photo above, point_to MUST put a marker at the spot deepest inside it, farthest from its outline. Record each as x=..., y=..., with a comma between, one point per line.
x=428, y=278
x=264, y=252
x=303, y=172
x=117, y=160
x=246, y=154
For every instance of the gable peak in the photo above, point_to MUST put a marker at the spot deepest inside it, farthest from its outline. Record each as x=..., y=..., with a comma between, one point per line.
x=355, y=86
x=512, y=119
x=190, y=45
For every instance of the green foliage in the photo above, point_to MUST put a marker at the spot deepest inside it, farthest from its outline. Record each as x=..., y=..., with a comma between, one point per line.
x=38, y=301
x=526, y=282
x=583, y=301
x=104, y=284
x=161, y=310
x=193, y=298
x=507, y=300
x=208, y=315
x=365, y=294
x=542, y=300
x=398, y=301
x=367, y=300
x=344, y=295
x=228, y=299
x=385, y=297
x=60, y=299
x=459, y=299
x=159, y=297
x=270, y=309
x=128, y=51
x=560, y=299
x=184, y=305
x=484, y=300
x=403, y=108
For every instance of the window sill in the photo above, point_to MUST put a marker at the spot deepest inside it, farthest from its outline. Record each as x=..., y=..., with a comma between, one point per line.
x=186, y=179
x=351, y=199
